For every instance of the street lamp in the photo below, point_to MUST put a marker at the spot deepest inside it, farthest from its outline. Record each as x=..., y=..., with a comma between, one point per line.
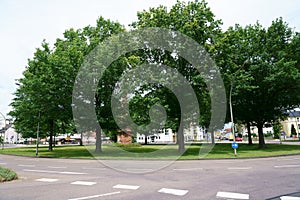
x=231, y=115
x=230, y=102
x=37, y=136
x=3, y=134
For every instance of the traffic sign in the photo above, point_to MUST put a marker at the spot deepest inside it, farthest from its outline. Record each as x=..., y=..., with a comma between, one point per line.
x=234, y=145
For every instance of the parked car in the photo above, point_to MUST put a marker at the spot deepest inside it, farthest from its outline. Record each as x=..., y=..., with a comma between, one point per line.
x=238, y=139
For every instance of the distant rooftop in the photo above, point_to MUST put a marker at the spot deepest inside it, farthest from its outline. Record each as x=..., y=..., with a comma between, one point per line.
x=294, y=113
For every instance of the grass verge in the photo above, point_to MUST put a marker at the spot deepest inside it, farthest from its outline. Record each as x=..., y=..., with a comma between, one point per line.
x=219, y=151
x=7, y=174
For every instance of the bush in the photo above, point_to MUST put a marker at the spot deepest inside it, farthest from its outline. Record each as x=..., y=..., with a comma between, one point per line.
x=7, y=174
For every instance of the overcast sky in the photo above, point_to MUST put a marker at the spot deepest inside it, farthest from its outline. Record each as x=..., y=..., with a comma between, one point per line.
x=25, y=23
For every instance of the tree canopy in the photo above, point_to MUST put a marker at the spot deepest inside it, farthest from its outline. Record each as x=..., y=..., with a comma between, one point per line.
x=259, y=65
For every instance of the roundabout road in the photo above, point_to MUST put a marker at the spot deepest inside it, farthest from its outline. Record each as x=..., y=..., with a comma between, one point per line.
x=66, y=179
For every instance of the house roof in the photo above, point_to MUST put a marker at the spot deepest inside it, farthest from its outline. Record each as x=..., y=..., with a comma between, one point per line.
x=294, y=113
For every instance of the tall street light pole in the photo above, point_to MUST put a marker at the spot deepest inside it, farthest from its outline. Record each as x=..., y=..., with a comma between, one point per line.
x=38, y=136
x=3, y=134
x=231, y=114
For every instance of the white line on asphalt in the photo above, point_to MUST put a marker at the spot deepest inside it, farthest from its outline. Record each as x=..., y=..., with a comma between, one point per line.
x=188, y=169
x=50, y=180
x=56, y=167
x=232, y=195
x=53, y=172
x=139, y=169
x=289, y=198
x=239, y=168
x=286, y=166
x=128, y=187
x=96, y=196
x=282, y=159
x=3, y=163
x=173, y=191
x=83, y=183
x=94, y=168
x=26, y=165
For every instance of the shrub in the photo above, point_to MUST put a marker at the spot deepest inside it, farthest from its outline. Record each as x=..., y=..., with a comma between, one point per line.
x=7, y=174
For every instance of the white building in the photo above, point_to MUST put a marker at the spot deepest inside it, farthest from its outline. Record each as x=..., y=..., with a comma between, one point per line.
x=12, y=137
x=193, y=133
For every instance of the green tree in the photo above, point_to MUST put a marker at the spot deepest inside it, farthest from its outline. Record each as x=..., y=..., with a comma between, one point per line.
x=196, y=20
x=293, y=130
x=255, y=64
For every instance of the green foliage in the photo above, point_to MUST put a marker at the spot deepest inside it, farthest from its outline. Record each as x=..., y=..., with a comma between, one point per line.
x=7, y=174
x=293, y=130
x=277, y=127
x=256, y=64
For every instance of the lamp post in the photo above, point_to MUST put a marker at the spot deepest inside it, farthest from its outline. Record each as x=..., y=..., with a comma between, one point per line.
x=3, y=134
x=230, y=101
x=231, y=114
x=37, y=136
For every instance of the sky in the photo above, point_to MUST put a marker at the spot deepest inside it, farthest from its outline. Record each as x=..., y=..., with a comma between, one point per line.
x=25, y=23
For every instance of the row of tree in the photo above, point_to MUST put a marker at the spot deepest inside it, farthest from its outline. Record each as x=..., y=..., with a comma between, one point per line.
x=260, y=68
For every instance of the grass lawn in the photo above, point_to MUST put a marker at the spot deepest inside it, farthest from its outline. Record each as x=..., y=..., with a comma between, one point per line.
x=156, y=151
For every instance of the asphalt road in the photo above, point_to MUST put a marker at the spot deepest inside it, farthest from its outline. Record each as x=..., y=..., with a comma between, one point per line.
x=73, y=179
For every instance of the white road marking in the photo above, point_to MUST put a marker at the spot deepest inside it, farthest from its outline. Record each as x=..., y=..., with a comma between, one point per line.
x=188, y=169
x=286, y=166
x=239, y=168
x=94, y=168
x=53, y=172
x=232, y=195
x=173, y=191
x=83, y=183
x=289, y=198
x=3, y=163
x=26, y=165
x=56, y=167
x=128, y=187
x=50, y=180
x=96, y=196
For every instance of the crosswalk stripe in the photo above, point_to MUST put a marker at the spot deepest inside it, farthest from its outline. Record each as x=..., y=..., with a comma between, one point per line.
x=83, y=183
x=289, y=198
x=232, y=195
x=173, y=191
x=47, y=180
x=129, y=187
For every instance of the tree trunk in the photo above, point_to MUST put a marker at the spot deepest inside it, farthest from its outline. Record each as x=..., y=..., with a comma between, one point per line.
x=51, y=135
x=146, y=140
x=249, y=134
x=213, y=137
x=261, y=138
x=81, y=138
x=180, y=140
x=98, y=140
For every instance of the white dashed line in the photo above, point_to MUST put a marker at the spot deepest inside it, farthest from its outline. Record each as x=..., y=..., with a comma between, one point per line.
x=83, y=183
x=188, y=169
x=289, y=198
x=232, y=195
x=3, y=163
x=26, y=165
x=173, y=191
x=54, y=172
x=286, y=166
x=96, y=196
x=50, y=180
x=128, y=187
x=54, y=167
x=239, y=168
x=94, y=168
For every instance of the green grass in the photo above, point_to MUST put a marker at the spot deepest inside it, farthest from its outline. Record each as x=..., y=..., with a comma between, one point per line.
x=7, y=174
x=156, y=151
